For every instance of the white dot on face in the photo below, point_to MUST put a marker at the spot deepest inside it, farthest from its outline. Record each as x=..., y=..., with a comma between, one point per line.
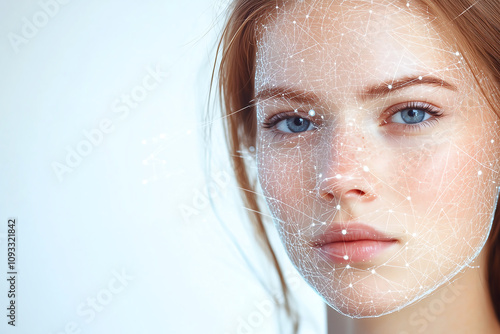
x=348, y=266
x=457, y=53
x=373, y=271
x=312, y=112
x=492, y=141
x=420, y=78
x=479, y=173
x=366, y=169
x=407, y=4
x=294, y=22
x=338, y=176
x=371, y=11
x=414, y=234
x=338, y=207
x=390, y=86
x=346, y=257
x=344, y=232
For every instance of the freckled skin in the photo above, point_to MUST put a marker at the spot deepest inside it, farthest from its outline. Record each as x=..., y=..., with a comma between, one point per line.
x=432, y=187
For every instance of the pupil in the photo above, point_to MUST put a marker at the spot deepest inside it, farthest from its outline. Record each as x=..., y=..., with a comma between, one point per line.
x=298, y=121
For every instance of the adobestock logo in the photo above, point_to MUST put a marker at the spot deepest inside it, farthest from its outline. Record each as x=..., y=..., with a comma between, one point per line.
x=201, y=197
x=94, y=304
x=74, y=156
x=121, y=107
x=266, y=308
x=257, y=318
x=425, y=315
x=31, y=27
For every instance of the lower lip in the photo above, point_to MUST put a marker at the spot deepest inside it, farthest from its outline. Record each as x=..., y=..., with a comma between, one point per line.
x=354, y=251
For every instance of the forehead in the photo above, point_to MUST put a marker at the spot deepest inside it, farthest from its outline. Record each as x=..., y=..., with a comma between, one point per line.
x=346, y=44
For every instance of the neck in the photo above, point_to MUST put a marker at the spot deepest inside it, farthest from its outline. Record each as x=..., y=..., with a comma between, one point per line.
x=462, y=306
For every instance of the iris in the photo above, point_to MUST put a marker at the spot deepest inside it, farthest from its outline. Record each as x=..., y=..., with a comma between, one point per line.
x=297, y=124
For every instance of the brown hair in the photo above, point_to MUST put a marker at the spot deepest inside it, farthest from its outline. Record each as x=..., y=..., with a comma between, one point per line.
x=475, y=24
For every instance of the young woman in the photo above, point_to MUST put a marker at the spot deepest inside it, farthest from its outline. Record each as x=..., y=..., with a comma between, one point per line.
x=375, y=131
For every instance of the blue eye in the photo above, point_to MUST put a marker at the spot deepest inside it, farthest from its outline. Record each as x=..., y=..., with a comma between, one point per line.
x=294, y=125
x=410, y=116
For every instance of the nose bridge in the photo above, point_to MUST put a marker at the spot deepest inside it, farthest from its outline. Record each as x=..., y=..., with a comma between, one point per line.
x=347, y=149
x=344, y=166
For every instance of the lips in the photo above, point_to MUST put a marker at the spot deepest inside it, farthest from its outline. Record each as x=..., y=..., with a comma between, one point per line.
x=350, y=243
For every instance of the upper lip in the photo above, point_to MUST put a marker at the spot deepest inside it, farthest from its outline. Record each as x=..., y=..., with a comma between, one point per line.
x=353, y=232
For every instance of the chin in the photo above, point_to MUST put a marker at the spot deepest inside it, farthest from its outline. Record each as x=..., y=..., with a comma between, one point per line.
x=374, y=297
x=367, y=306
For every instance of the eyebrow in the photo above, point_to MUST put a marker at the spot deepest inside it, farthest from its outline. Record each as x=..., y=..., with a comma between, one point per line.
x=370, y=92
x=384, y=89
x=287, y=93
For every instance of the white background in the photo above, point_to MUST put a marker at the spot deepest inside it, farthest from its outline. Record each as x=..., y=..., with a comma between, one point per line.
x=134, y=205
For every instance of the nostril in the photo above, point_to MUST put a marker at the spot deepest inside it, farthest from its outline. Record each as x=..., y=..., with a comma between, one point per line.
x=355, y=193
x=328, y=196
x=333, y=189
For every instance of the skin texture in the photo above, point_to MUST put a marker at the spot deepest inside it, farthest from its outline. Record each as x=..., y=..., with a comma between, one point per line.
x=430, y=186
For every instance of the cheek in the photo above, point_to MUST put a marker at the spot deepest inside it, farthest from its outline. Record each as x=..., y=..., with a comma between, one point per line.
x=452, y=186
x=287, y=176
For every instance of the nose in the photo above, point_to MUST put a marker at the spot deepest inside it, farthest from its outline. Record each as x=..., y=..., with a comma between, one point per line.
x=344, y=172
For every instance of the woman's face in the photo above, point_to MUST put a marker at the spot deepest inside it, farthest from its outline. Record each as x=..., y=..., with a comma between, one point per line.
x=376, y=152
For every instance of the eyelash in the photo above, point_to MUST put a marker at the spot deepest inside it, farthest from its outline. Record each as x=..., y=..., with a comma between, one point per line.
x=272, y=121
x=428, y=108
x=275, y=119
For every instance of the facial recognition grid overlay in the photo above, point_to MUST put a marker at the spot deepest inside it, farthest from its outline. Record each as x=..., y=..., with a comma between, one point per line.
x=376, y=153
x=101, y=170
